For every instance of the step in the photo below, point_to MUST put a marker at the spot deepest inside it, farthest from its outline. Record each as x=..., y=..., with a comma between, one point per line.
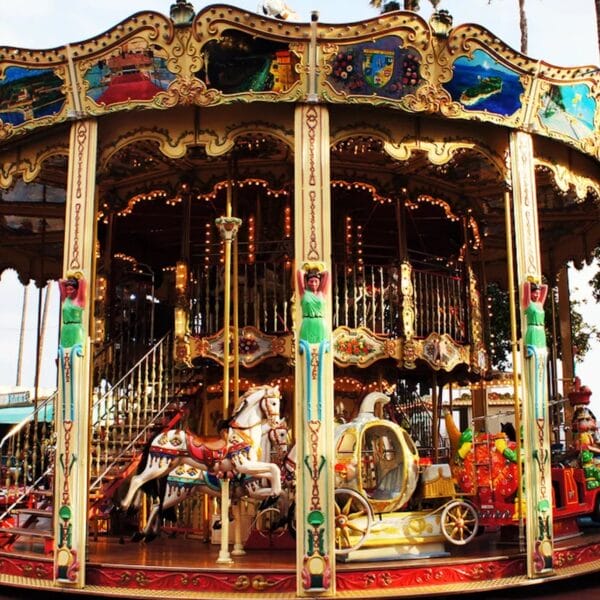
x=28, y=531
x=34, y=512
x=15, y=533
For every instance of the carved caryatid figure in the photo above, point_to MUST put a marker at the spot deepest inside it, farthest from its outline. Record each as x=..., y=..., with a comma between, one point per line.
x=313, y=283
x=72, y=294
x=534, y=296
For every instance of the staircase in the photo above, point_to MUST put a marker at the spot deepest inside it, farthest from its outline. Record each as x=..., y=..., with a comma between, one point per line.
x=125, y=416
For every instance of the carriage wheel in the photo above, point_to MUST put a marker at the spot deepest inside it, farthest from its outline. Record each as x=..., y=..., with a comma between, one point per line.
x=353, y=519
x=269, y=522
x=459, y=522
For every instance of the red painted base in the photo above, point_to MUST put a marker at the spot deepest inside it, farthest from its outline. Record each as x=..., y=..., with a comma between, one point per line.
x=261, y=575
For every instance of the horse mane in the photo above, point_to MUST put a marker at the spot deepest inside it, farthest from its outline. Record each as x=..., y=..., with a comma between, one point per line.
x=243, y=401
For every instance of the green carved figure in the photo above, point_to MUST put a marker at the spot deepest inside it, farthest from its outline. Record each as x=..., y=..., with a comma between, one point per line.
x=72, y=294
x=534, y=296
x=313, y=283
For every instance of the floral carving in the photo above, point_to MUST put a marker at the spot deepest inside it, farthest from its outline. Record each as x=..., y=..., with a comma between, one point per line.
x=188, y=91
x=353, y=346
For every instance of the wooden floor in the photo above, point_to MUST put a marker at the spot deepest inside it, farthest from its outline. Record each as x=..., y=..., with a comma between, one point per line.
x=189, y=552
x=194, y=553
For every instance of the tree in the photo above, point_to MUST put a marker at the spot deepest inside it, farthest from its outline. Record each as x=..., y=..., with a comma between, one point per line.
x=523, y=25
x=498, y=334
x=582, y=333
x=595, y=280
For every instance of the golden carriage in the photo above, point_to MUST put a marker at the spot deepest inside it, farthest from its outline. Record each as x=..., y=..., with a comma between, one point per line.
x=389, y=503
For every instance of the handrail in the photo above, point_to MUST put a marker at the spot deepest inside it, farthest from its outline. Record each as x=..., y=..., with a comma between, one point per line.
x=21, y=424
x=26, y=493
x=136, y=365
x=50, y=400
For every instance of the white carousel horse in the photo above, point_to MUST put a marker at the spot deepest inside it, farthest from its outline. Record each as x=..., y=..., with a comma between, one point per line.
x=236, y=453
x=184, y=481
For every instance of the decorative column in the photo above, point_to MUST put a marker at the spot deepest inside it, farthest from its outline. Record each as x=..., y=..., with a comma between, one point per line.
x=315, y=555
x=407, y=299
x=72, y=412
x=534, y=353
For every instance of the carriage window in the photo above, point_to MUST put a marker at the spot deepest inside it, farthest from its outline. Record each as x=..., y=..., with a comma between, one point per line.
x=347, y=443
x=382, y=463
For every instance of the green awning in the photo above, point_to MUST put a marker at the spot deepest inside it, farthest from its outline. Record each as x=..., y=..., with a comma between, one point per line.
x=10, y=415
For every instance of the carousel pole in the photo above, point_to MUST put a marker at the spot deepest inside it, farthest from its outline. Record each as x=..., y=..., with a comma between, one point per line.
x=22, y=337
x=534, y=357
x=228, y=226
x=515, y=358
x=435, y=424
x=238, y=546
x=72, y=415
x=313, y=394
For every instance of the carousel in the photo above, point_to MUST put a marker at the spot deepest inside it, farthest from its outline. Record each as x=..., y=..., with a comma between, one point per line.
x=275, y=243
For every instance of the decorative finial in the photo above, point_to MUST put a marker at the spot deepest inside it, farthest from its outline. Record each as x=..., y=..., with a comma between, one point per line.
x=182, y=13
x=441, y=23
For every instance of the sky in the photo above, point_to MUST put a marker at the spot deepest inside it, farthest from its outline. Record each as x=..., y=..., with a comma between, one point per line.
x=557, y=36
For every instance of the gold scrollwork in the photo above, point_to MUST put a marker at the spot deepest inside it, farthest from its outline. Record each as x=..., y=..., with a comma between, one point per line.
x=187, y=91
x=6, y=130
x=242, y=582
x=431, y=99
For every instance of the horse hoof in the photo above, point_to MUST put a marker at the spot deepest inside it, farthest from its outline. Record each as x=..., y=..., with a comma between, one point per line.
x=137, y=537
x=150, y=537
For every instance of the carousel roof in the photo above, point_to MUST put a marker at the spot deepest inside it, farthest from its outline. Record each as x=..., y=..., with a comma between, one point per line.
x=419, y=116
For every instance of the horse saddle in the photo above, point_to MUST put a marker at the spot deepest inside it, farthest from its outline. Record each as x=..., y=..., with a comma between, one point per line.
x=207, y=451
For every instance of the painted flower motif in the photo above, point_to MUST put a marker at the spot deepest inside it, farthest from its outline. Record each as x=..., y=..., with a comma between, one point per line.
x=247, y=345
x=353, y=346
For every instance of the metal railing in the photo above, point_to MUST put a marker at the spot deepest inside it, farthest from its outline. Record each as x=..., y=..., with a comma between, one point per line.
x=124, y=409
x=364, y=295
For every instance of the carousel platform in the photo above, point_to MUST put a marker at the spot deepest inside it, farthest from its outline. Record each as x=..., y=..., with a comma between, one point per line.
x=186, y=568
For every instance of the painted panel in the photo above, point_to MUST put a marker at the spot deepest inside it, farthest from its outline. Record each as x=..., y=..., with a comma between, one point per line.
x=568, y=110
x=381, y=67
x=481, y=83
x=27, y=94
x=238, y=63
x=135, y=71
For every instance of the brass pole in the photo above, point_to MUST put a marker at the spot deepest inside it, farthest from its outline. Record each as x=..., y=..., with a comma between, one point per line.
x=228, y=227
x=22, y=336
x=515, y=358
x=236, y=304
x=434, y=417
x=224, y=555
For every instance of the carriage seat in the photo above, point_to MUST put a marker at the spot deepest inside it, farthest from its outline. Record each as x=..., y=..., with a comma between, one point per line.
x=437, y=481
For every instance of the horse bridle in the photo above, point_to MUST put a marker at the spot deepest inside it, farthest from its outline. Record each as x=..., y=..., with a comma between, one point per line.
x=272, y=415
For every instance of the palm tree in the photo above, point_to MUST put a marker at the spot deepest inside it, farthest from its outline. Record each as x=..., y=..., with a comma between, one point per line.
x=383, y=6
x=523, y=25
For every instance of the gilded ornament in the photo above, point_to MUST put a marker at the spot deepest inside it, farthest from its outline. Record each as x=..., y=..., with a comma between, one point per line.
x=187, y=91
